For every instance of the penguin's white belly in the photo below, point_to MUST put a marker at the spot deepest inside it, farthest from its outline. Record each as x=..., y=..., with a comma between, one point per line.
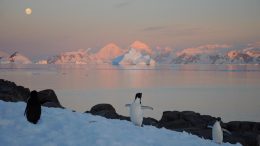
x=217, y=133
x=136, y=114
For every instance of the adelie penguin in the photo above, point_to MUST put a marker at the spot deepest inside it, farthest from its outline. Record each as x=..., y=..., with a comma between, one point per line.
x=136, y=110
x=217, y=133
x=33, y=108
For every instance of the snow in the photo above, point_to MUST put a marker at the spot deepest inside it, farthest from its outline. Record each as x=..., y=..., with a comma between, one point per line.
x=208, y=49
x=42, y=62
x=141, y=47
x=109, y=52
x=4, y=57
x=134, y=57
x=81, y=56
x=64, y=127
x=21, y=59
x=253, y=49
x=16, y=58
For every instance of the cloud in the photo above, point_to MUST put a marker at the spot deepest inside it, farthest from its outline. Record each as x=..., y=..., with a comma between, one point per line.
x=122, y=4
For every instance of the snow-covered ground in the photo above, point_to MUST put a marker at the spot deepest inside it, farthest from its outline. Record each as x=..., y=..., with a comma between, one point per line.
x=64, y=127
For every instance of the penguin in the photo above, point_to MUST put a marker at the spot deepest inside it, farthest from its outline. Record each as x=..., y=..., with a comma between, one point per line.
x=33, y=108
x=217, y=133
x=136, y=110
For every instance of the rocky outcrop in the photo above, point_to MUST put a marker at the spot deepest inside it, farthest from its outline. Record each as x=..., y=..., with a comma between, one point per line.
x=48, y=98
x=108, y=111
x=249, y=131
x=9, y=91
x=245, y=133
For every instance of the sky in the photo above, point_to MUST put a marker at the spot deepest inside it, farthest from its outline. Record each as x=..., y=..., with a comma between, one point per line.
x=66, y=25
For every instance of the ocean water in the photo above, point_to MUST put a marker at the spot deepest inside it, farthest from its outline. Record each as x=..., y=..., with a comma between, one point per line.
x=228, y=91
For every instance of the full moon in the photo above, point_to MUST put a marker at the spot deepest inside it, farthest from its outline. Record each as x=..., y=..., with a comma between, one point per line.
x=28, y=11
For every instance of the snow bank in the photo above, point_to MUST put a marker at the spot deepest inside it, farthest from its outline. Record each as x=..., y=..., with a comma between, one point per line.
x=64, y=127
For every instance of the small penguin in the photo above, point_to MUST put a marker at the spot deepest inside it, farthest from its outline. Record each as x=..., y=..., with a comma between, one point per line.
x=33, y=108
x=136, y=110
x=217, y=133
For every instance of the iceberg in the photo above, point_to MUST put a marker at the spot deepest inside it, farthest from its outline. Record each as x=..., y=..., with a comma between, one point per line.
x=133, y=57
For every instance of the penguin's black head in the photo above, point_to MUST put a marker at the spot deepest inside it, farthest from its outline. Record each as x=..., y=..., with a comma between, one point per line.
x=218, y=119
x=138, y=95
x=34, y=95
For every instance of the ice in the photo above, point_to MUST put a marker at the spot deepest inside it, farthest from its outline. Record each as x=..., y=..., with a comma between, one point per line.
x=134, y=57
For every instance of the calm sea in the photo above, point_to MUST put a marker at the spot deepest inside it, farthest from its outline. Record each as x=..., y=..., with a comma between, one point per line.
x=228, y=91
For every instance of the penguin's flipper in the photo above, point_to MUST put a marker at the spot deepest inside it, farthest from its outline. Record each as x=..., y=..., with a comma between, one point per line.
x=127, y=105
x=147, y=107
x=225, y=130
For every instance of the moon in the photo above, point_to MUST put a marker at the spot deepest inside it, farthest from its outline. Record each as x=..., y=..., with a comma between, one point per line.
x=28, y=11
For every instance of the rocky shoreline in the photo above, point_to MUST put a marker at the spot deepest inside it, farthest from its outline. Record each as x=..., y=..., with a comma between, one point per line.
x=246, y=133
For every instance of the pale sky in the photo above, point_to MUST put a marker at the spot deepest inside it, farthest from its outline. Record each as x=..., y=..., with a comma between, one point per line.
x=64, y=25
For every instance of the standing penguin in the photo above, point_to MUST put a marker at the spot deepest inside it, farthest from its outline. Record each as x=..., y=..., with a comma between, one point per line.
x=33, y=108
x=136, y=110
x=217, y=133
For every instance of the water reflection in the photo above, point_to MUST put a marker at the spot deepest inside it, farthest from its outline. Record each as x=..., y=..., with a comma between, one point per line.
x=229, y=91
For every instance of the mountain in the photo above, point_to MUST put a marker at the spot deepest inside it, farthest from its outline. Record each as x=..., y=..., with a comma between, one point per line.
x=133, y=57
x=108, y=52
x=16, y=57
x=141, y=47
x=209, y=49
x=164, y=55
x=4, y=57
x=140, y=53
x=74, y=57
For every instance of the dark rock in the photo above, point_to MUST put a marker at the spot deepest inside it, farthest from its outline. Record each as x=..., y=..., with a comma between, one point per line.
x=102, y=107
x=177, y=124
x=170, y=116
x=258, y=140
x=104, y=110
x=150, y=121
x=245, y=133
x=51, y=104
x=9, y=91
x=185, y=119
x=108, y=111
x=242, y=126
x=48, y=98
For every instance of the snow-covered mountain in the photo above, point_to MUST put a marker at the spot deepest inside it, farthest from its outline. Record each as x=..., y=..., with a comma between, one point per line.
x=141, y=47
x=108, y=53
x=4, y=57
x=16, y=58
x=164, y=55
x=215, y=54
x=140, y=53
x=74, y=57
